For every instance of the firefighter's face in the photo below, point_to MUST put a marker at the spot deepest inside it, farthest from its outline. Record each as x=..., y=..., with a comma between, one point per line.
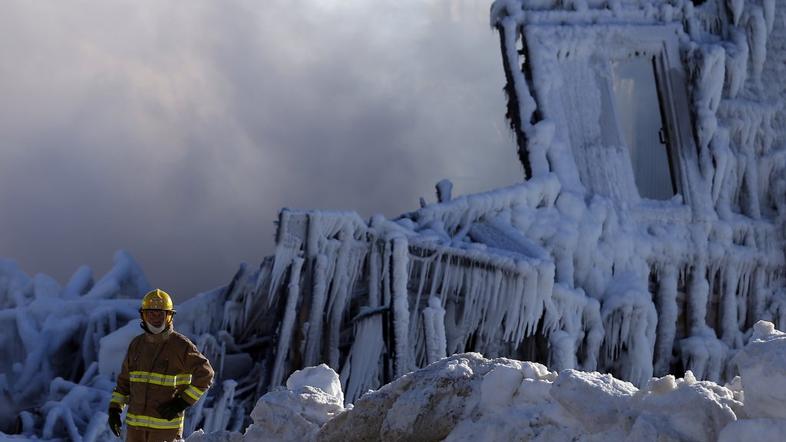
x=155, y=318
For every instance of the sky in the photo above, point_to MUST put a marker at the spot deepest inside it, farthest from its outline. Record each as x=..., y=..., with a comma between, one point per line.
x=177, y=130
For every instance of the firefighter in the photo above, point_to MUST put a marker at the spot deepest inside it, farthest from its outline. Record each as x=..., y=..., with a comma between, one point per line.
x=163, y=374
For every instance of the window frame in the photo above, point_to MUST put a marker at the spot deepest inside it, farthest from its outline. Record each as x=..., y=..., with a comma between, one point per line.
x=551, y=43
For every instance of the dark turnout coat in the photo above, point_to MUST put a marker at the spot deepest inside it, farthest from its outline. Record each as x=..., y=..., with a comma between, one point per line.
x=156, y=368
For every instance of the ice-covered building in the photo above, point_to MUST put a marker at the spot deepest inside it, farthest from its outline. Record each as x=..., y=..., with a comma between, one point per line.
x=647, y=238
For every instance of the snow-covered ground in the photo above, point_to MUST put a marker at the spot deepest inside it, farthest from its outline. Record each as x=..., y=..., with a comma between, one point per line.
x=467, y=397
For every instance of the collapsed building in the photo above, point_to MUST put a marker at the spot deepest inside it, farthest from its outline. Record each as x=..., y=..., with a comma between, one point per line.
x=646, y=238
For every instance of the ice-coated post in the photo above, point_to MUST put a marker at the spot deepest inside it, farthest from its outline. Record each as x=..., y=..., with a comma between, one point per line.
x=400, y=306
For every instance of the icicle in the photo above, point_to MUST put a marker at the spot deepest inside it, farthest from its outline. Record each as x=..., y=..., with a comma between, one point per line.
x=400, y=305
x=626, y=303
x=735, y=8
x=757, y=41
x=708, y=74
x=703, y=354
x=667, y=321
x=472, y=311
x=287, y=323
x=562, y=353
x=698, y=294
x=564, y=340
x=545, y=287
x=414, y=324
x=728, y=313
x=436, y=275
x=361, y=367
x=722, y=157
x=737, y=63
x=434, y=322
x=743, y=298
x=515, y=317
x=769, y=14
x=287, y=248
x=594, y=333
x=374, y=277
x=338, y=298
x=490, y=322
x=759, y=295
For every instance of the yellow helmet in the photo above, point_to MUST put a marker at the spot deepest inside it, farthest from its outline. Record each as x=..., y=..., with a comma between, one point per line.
x=157, y=300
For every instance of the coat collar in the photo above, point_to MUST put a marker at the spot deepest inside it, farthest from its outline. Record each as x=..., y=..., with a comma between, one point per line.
x=160, y=337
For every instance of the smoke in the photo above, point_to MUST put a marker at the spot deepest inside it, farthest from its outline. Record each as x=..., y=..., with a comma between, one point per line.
x=178, y=130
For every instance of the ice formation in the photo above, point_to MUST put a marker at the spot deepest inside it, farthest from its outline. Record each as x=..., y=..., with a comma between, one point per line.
x=575, y=268
x=61, y=348
x=49, y=336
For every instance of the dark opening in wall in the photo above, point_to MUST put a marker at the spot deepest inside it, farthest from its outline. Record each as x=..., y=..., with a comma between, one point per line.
x=698, y=2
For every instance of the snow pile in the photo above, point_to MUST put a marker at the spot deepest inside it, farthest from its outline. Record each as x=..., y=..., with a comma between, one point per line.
x=467, y=397
x=313, y=397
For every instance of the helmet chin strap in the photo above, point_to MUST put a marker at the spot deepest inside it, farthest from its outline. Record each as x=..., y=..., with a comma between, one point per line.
x=155, y=330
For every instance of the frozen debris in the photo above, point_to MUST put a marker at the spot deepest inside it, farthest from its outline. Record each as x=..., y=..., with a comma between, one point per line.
x=49, y=346
x=61, y=348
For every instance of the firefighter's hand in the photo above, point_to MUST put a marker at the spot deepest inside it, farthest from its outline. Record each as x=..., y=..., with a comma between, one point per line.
x=114, y=421
x=170, y=409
